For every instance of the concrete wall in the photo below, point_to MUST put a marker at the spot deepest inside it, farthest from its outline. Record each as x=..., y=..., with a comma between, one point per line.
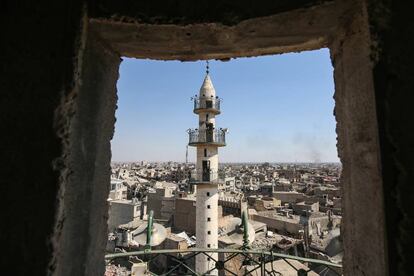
x=328, y=191
x=358, y=148
x=122, y=213
x=279, y=225
x=83, y=214
x=168, y=207
x=322, y=222
x=288, y=197
x=155, y=202
x=305, y=206
x=230, y=207
x=185, y=212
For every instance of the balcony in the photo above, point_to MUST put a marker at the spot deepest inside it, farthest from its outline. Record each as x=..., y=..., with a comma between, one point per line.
x=207, y=105
x=206, y=177
x=207, y=137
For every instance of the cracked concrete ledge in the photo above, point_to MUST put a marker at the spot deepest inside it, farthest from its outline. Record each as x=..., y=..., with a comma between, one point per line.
x=311, y=29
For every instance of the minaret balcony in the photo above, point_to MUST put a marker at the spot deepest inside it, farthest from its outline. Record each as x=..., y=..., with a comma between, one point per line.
x=205, y=104
x=206, y=177
x=200, y=137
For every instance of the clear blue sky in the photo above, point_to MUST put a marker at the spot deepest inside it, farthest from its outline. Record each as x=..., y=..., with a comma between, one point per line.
x=277, y=108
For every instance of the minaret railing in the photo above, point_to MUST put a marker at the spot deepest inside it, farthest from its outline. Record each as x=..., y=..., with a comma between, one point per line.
x=207, y=103
x=200, y=176
x=216, y=136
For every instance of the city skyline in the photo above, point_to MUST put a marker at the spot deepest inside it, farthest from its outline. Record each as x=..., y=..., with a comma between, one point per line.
x=277, y=108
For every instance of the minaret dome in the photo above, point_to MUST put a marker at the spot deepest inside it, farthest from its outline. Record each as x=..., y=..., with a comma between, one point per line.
x=207, y=89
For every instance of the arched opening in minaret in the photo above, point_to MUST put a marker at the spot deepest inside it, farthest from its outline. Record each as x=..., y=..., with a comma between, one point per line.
x=280, y=162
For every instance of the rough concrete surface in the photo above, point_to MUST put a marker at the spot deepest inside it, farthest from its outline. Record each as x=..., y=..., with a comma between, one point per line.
x=299, y=30
x=84, y=218
x=358, y=148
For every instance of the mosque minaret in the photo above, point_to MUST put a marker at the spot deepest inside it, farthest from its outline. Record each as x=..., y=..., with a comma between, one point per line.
x=207, y=139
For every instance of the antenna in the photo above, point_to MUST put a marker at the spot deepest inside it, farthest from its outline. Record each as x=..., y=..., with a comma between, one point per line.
x=207, y=67
x=186, y=154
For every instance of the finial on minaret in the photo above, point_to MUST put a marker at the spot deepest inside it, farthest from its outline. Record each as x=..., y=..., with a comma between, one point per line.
x=207, y=68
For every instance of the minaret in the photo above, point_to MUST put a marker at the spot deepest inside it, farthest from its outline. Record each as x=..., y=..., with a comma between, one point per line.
x=207, y=138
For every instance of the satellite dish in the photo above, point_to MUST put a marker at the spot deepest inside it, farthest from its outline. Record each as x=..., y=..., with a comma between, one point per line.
x=159, y=233
x=150, y=234
x=235, y=231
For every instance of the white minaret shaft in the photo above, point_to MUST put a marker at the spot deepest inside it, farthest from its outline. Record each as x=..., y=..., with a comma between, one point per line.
x=207, y=139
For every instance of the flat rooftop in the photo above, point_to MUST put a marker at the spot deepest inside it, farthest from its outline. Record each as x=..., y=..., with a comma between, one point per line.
x=278, y=216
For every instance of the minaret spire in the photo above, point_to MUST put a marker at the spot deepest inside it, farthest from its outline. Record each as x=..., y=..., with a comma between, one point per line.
x=207, y=67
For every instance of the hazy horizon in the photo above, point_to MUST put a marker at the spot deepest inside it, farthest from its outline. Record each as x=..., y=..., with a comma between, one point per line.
x=224, y=162
x=277, y=108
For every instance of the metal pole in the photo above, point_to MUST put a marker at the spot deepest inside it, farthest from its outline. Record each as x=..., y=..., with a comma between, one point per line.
x=262, y=265
x=149, y=230
x=245, y=230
